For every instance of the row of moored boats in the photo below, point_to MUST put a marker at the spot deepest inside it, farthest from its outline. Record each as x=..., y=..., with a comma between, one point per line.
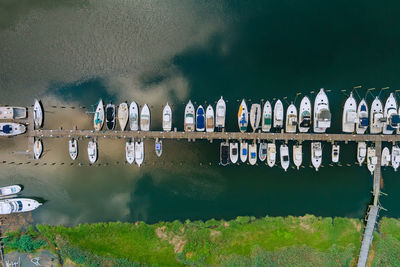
x=9, y=204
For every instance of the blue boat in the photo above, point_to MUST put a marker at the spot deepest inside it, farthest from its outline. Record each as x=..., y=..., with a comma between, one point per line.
x=200, y=119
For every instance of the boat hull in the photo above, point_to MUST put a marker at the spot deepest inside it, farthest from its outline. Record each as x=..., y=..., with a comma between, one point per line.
x=267, y=117
x=243, y=151
x=145, y=119
x=234, y=152
x=305, y=115
x=167, y=118
x=349, y=116
x=133, y=116
x=123, y=115
x=98, y=120
x=243, y=117
x=291, y=119
x=252, y=154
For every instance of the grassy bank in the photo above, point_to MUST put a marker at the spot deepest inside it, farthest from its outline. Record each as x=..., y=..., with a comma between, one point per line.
x=269, y=241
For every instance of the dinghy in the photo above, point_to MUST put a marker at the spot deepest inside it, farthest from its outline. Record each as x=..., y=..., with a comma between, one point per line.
x=271, y=154
x=17, y=205
x=361, y=152
x=335, y=153
x=267, y=117
x=291, y=119
x=322, y=113
x=209, y=119
x=11, y=128
x=133, y=116
x=385, y=161
x=158, y=147
x=234, y=152
x=110, y=116
x=92, y=151
x=243, y=151
x=98, y=120
x=167, y=118
x=285, y=159
x=73, y=148
x=305, y=115
x=372, y=160
x=139, y=152
x=390, y=113
x=37, y=114
x=278, y=114
x=145, y=119
x=220, y=112
x=130, y=151
x=255, y=116
x=123, y=115
x=395, y=157
x=316, y=154
x=349, y=117
x=262, y=151
x=243, y=117
x=37, y=148
x=297, y=155
x=224, y=154
x=10, y=190
x=376, y=116
x=200, y=119
x=189, y=117
x=362, y=114
x=253, y=154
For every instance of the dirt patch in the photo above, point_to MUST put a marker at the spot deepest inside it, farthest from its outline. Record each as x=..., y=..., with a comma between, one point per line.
x=226, y=224
x=304, y=223
x=214, y=234
x=177, y=241
x=13, y=222
x=357, y=225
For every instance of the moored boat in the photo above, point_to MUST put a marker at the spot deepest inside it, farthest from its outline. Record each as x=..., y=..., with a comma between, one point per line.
x=17, y=205
x=322, y=113
x=224, y=154
x=37, y=114
x=189, y=117
x=37, y=149
x=271, y=154
x=262, y=151
x=371, y=159
x=267, y=117
x=11, y=128
x=210, y=119
x=158, y=147
x=200, y=119
x=12, y=113
x=220, y=112
x=98, y=119
x=390, y=113
x=255, y=116
x=285, y=159
x=253, y=154
x=316, y=154
x=376, y=115
x=92, y=151
x=133, y=116
x=395, y=157
x=362, y=120
x=243, y=150
x=349, y=117
x=243, y=116
x=110, y=116
x=139, y=152
x=305, y=115
x=291, y=119
x=278, y=114
x=73, y=148
x=361, y=152
x=335, y=153
x=167, y=118
x=385, y=161
x=145, y=118
x=234, y=152
x=297, y=155
x=130, y=151
x=123, y=115
x=10, y=190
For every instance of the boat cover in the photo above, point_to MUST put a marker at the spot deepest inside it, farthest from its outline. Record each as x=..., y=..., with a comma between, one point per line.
x=395, y=119
x=253, y=155
x=7, y=129
x=244, y=151
x=364, y=122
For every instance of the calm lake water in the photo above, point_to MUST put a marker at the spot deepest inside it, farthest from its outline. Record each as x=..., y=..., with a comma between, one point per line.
x=70, y=55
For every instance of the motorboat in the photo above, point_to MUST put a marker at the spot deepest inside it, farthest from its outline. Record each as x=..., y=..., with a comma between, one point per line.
x=189, y=117
x=10, y=190
x=395, y=157
x=123, y=115
x=243, y=151
x=316, y=154
x=209, y=119
x=390, y=113
x=73, y=148
x=12, y=113
x=130, y=151
x=267, y=117
x=361, y=152
x=92, y=151
x=37, y=114
x=234, y=152
x=224, y=154
x=200, y=119
x=349, y=118
x=376, y=115
x=158, y=147
x=362, y=117
x=322, y=113
x=385, y=160
x=243, y=117
x=291, y=119
x=17, y=205
x=262, y=151
x=253, y=154
x=271, y=154
x=11, y=128
x=110, y=116
x=98, y=119
x=37, y=148
x=278, y=114
x=372, y=159
x=139, y=152
x=255, y=116
x=220, y=112
x=167, y=118
x=305, y=115
x=297, y=155
x=145, y=118
x=285, y=159
x=133, y=116
x=335, y=153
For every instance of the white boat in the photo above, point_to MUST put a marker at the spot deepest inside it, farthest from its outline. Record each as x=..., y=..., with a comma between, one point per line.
x=37, y=149
x=210, y=119
x=262, y=151
x=133, y=116
x=267, y=117
x=10, y=190
x=189, y=117
x=271, y=154
x=234, y=152
x=11, y=128
x=372, y=159
x=335, y=153
x=167, y=118
x=322, y=114
x=17, y=205
x=305, y=115
x=145, y=118
x=395, y=157
x=385, y=161
x=390, y=113
x=12, y=113
x=255, y=116
x=200, y=119
x=123, y=115
x=252, y=154
x=130, y=151
x=376, y=115
x=73, y=148
x=349, y=118
x=224, y=154
x=110, y=116
x=98, y=119
x=361, y=152
x=297, y=155
x=362, y=117
x=37, y=114
x=316, y=154
x=220, y=112
x=243, y=117
x=139, y=152
x=243, y=151
x=285, y=159
x=158, y=147
x=291, y=119
x=278, y=114
x=92, y=151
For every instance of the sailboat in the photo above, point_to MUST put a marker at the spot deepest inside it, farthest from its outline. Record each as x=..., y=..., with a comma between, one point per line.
x=255, y=116
x=167, y=118
x=200, y=119
x=110, y=116
x=390, y=113
x=284, y=153
x=98, y=120
x=267, y=117
x=395, y=157
x=92, y=151
x=73, y=148
x=385, y=161
x=253, y=154
x=372, y=160
x=209, y=119
x=158, y=147
x=262, y=151
x=349, y=114
x=335, y=153
x=361, y=152
x=362, y=114
x=139, y=152
x=322, y=114
x=305, y=115
x=234, y=152
x=133, y=116
x=297, y=155
x=291, y=119
x=376, y=116
x=37, y=148
x=243, y=117
x=145, y=118
x=130, y=151
x=37, y=114
x=278, y=114
x=189, y=117
x=271, y=154
x=220, y=112
x=224, y=154
x=316, y=154
x=11, y=128
x=123, y=115
x=243, y=151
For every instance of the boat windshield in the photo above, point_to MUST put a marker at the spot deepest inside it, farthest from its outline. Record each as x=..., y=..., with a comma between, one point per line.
x=244, y=151
x=253, y=155
x=285, y=158
x=167, y=117
x=234, y=151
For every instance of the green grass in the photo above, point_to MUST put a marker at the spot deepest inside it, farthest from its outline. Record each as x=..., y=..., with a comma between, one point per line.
x=387, y=243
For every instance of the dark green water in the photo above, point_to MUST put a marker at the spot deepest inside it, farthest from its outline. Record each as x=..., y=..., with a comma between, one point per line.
x=178, y=51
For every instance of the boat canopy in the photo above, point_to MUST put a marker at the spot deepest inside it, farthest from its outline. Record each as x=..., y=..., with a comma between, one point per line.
x=363, y=108
x=364, y=122
x=7, y=129
x=306, y=122
x=267, y=120
x=244, y=151
x=395, y=120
